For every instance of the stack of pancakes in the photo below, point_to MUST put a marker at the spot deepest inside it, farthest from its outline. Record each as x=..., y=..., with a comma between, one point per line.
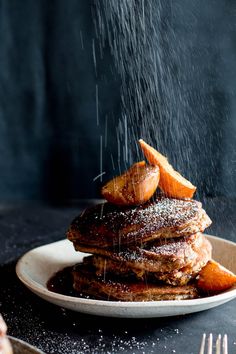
x=148, y=252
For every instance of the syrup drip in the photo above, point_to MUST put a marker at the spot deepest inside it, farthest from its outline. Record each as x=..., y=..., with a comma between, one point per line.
x=62, y=282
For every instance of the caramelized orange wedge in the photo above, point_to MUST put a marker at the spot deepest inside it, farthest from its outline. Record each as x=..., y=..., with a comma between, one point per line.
x=171, y=182
x=133, y=187
x=215, y=278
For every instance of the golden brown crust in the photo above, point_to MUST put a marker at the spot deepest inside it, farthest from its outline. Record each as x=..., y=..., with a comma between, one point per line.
x=163, y=255
x=106, y=225
x=172, y=265
x=87, y=284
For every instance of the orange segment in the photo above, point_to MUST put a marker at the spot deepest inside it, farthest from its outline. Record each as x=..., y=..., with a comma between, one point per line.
x=171, y=182
x=215, y=278
x=133, y=187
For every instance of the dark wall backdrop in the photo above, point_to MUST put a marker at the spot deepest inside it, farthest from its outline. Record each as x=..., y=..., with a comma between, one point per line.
x=50, y=139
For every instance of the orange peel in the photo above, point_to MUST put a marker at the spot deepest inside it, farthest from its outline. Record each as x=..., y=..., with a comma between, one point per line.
x=171, y=182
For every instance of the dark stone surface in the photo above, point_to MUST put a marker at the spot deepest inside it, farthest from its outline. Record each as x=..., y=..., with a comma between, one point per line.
x=56, y=330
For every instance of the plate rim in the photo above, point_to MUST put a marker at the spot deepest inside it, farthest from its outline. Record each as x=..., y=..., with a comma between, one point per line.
x=27, y=345
x=39, y=289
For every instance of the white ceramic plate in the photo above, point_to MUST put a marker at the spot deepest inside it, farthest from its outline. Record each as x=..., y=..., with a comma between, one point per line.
x=37, y=266
x=21, y=347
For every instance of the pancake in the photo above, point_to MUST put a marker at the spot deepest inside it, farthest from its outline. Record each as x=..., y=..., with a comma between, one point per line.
x=106, y=225
x=162, y=255
x=176, y=263
x=87, y=283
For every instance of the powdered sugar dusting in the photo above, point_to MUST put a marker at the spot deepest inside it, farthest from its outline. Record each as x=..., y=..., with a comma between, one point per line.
x=131, y=224
x=164, y=212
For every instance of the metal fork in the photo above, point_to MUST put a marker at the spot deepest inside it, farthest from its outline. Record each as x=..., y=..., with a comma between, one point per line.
x=218, y=345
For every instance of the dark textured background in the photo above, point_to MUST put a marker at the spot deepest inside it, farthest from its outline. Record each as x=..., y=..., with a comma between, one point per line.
x=49, y=138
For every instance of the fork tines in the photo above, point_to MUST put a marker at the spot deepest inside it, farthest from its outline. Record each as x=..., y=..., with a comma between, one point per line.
x=219, y=344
